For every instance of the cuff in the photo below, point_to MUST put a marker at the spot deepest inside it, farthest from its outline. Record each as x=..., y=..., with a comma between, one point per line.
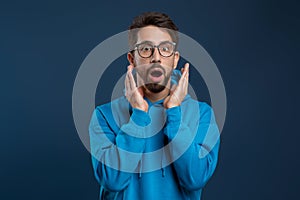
x=140, y=117
x=173, y=114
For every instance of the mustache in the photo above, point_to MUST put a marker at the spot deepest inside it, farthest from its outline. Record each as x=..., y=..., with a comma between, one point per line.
x=156, y=65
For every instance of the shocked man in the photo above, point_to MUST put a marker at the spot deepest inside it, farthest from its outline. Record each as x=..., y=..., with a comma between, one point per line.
x=150, y=144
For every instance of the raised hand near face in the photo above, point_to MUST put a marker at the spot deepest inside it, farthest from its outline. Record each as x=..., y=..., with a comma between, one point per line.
x=177, y=93
x=134, y=94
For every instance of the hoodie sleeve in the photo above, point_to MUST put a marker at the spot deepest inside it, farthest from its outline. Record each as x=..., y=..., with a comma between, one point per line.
x=197, y=164
x=113, y=165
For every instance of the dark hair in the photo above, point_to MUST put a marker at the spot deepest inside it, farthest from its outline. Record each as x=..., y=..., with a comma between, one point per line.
x=151, y=18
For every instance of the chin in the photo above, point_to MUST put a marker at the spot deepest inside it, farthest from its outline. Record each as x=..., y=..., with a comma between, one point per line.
x=155, y=87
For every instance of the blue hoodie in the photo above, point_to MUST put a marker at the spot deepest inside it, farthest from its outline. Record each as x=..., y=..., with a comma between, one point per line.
x=159, y=154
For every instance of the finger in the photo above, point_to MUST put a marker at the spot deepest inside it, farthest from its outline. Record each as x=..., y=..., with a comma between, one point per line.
x=186, y=72
x=185, y=84
x=130, y=67
x=182, y=78
x=131, y=81
x=186, y=68
x=127, y=81
x=128, y=90
x=186, y=65
x=187, y=75
x=172, y=89
x=183, y=69
x=166, y=101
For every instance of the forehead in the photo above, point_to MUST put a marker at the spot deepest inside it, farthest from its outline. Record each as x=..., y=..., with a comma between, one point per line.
x=154, y=34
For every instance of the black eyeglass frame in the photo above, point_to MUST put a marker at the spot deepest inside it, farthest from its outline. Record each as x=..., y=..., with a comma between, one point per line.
x=155, y=46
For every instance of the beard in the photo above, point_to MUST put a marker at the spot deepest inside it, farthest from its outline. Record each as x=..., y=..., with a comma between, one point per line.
x=157, y=87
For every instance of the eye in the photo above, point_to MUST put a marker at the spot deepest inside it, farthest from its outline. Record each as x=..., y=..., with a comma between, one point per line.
x=165, y=48
x=146, y=48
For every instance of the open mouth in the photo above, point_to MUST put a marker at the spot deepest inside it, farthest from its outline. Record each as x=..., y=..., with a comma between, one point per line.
x=156, y=75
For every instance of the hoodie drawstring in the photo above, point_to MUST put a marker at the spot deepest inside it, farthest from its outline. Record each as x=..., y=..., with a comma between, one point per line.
x=161, y=163
x=140, y=171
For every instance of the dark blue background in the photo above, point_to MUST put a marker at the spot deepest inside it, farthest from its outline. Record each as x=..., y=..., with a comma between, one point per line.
x=254, y=43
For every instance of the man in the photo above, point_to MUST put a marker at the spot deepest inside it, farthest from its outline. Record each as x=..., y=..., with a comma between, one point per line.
x=150, y=144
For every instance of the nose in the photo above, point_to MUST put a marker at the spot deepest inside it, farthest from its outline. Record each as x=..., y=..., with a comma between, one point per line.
x=156, y=56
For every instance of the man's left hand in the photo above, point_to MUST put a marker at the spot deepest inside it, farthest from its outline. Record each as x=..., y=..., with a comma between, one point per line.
x=178, y=92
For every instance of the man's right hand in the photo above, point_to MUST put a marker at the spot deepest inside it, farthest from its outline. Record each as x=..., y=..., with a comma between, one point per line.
x=134, y=94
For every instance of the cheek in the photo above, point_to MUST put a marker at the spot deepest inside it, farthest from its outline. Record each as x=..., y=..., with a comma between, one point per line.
x=171, y=61
x=138, y=60
x=175, y=63
x=141, y=71
x=170, y=64
x=168, y=70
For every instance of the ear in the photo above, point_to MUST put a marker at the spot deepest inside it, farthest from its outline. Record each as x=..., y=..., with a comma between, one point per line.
x=176, y=59
x=130, y=58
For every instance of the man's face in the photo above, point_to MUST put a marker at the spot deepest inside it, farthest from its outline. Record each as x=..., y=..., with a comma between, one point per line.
x=153, y=73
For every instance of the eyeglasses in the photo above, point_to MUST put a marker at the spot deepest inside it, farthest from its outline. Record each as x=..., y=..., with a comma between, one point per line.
x=146, y=49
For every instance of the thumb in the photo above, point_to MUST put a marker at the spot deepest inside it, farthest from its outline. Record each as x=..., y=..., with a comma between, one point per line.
x=141, y=91
x=166, y=101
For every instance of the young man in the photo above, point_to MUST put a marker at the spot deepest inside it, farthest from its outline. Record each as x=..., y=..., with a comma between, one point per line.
x=150, y=143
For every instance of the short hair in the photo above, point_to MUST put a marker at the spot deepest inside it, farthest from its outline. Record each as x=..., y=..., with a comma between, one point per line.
x=157, y=19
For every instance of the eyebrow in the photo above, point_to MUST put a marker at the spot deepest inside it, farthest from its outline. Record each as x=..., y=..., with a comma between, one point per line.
x=147, y=41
